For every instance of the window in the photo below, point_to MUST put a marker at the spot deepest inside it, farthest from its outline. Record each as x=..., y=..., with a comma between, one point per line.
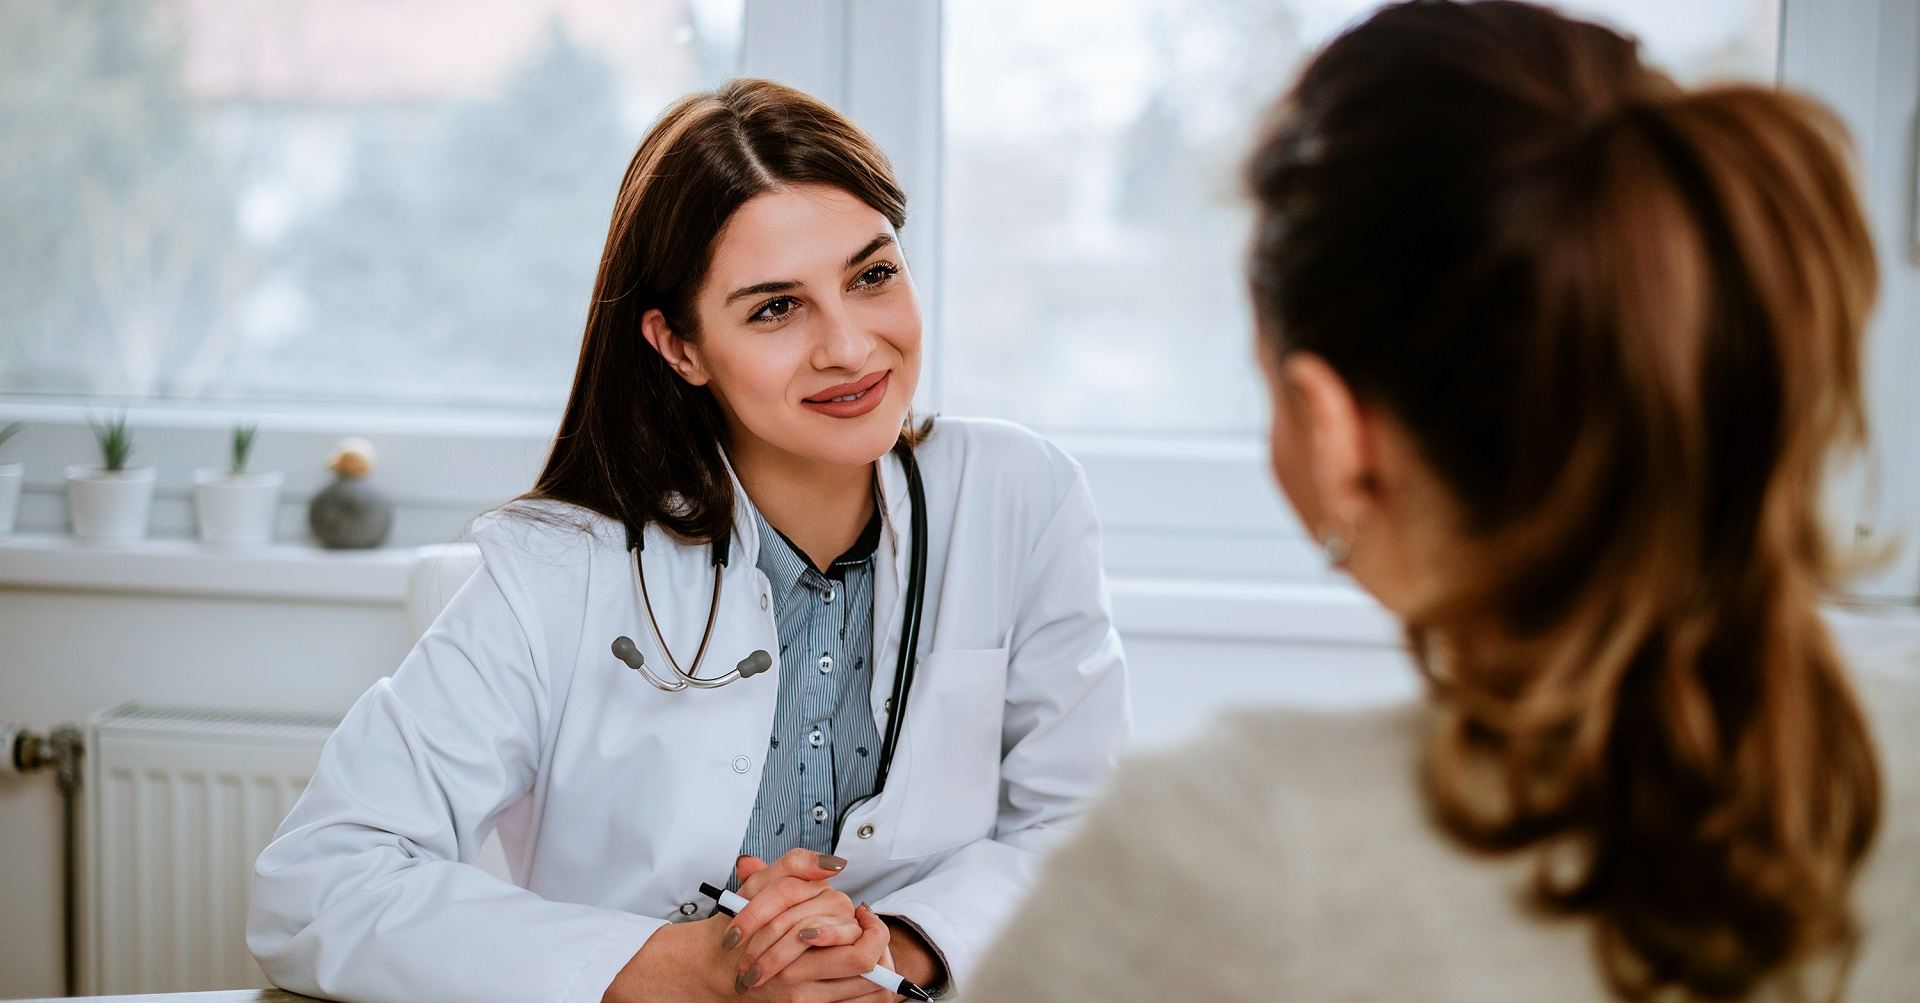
x=1093, y=228
x=328, y=213
x=1093, y=219
x=321, y=200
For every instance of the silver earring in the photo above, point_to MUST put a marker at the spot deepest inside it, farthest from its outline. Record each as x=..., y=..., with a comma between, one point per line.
x=1337, y=549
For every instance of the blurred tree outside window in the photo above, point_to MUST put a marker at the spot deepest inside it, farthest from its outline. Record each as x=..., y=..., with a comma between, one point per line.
x=400, y=201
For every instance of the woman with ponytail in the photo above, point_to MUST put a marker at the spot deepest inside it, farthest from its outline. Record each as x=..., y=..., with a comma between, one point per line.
x=1558, y=353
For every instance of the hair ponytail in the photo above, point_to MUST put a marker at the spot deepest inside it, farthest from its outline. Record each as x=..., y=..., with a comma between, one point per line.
x=1624, y=322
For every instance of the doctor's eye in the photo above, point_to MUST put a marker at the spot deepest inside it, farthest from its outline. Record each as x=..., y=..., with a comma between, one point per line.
x=879, y=275
x=774, y=309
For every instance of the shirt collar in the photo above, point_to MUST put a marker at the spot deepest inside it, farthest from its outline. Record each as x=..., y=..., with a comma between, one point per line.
x=783, y=561
x=890, y=492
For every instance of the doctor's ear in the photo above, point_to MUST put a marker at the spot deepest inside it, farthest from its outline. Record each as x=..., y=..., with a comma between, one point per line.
x=681, y=355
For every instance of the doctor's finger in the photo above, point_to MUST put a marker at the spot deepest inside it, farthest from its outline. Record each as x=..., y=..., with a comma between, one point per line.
x=798, y=862
x=804, y=934
x=747, y=865
x=827, y=902
x=830, y=904
x=770, y=901
x=855, y=959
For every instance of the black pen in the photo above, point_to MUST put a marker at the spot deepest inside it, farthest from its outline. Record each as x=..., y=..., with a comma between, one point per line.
x=731, y=904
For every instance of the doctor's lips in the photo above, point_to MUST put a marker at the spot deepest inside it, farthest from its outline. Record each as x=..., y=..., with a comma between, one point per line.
x=851, y=400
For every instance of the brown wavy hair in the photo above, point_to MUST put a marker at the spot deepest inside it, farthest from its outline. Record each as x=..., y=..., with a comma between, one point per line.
x=636, y=442
x=1622, y=320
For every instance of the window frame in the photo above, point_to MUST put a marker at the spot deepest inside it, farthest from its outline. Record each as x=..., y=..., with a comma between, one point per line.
x=1175, y=508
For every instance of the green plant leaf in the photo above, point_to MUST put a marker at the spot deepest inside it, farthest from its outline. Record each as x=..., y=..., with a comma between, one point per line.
x=116, y=441
x=243, y=436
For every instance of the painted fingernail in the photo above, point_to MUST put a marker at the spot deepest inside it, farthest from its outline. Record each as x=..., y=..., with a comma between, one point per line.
x=833, y=863
x=740, y=984
x=752, y=976
x=732, y=938
x=809, y=933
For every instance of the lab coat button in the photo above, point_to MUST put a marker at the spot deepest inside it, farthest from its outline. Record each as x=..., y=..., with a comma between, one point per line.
x=763, y=600
x=740, y=764
x=866, y=831
x=688, y=908
x=816, y=739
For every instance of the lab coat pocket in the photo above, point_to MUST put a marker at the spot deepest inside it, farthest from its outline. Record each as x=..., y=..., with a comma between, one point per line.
x=950, y=793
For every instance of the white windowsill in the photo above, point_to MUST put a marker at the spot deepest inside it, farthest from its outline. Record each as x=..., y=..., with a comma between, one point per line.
x=181, y=567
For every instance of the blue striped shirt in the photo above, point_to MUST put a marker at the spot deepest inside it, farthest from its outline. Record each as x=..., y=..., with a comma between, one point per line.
x=824, y=753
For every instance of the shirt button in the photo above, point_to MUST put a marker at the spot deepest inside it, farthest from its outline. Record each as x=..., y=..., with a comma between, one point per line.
x=826, y=663
x=816, y=739
x=866, y=831
x=819, y=813
x=740, y=764
x=829, y=596
x=688, y=908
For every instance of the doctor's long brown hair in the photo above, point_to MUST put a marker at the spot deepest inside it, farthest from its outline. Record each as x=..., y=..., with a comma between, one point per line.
x=1623, y=322
x=636, y=442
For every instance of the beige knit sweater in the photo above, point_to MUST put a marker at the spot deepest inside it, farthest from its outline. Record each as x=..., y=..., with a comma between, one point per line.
x=1286, y=857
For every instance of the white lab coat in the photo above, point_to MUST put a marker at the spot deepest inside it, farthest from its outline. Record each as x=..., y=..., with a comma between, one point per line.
x=614, y=800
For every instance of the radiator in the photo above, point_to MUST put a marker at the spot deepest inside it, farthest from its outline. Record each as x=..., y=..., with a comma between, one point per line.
x=178, y=804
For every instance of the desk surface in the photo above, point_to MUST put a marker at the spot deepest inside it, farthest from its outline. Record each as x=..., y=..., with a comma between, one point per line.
x=229, y=996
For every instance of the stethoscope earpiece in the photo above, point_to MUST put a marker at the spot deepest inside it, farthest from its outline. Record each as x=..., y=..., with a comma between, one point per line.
x=753, y=664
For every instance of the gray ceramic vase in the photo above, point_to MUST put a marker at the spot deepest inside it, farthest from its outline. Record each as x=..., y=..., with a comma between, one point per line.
x=351, y=514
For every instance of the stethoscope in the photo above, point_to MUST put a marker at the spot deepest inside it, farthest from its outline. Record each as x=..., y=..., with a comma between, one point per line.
x=759, y=661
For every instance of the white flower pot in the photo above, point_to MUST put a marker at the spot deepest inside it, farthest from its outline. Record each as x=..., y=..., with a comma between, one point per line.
x=236, y=509
x=109, y=505
x=12, y=476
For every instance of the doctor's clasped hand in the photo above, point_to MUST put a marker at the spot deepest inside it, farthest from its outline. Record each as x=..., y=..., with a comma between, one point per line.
x=800, y=940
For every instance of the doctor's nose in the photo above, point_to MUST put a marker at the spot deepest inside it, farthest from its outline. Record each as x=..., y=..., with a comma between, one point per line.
x=843, y=344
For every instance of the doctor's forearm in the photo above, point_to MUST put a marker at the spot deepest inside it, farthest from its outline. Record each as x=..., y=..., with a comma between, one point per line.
x=676, y=963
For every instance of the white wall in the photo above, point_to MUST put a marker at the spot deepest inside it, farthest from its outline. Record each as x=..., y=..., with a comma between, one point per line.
x=64, y=655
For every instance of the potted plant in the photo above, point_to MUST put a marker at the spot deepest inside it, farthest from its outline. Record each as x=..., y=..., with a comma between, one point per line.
x=237, y=506
x=110, y=501
x=12, y=475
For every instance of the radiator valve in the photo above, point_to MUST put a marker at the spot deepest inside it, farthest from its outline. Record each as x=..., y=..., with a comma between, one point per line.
x=25, y=751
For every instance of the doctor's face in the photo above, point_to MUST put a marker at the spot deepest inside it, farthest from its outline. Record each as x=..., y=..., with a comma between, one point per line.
x=809, y=327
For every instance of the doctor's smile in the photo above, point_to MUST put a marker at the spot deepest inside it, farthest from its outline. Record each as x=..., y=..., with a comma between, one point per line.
x=851, y=400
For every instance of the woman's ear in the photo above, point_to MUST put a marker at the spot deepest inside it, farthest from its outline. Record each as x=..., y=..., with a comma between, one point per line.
x=681, y=355
x=1339, y=443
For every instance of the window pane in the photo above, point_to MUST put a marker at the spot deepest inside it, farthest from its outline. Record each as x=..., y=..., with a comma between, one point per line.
x=1093, y=223
x=329, y=200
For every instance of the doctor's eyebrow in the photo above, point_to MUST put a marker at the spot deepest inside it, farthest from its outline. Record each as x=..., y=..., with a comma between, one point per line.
x=879, y=241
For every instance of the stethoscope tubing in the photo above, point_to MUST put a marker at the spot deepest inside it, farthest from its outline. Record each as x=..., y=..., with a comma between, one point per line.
x=684, y=679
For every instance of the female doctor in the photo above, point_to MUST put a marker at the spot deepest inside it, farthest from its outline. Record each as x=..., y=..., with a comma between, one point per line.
x=750, y=613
